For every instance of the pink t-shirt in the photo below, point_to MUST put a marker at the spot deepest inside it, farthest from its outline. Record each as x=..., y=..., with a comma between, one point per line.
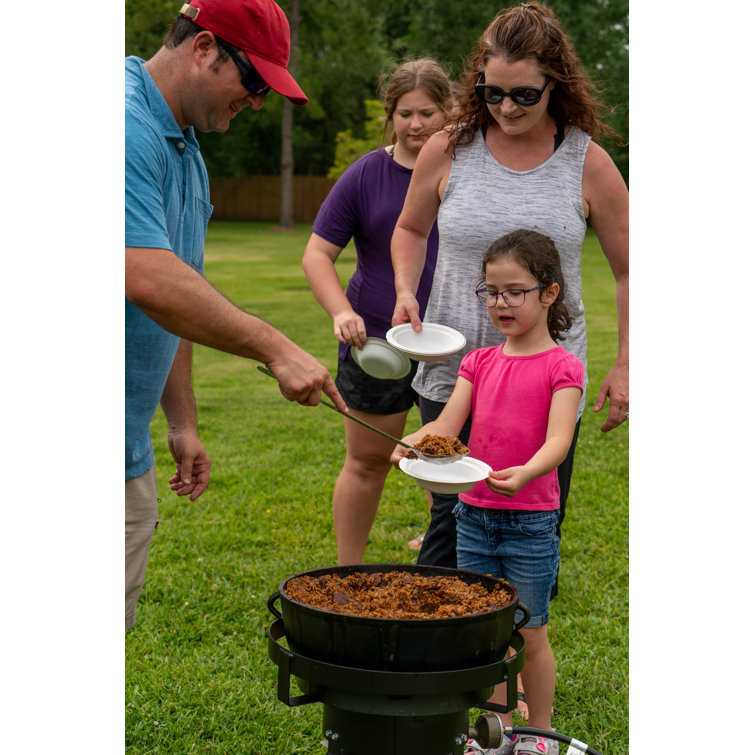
x=511, y=399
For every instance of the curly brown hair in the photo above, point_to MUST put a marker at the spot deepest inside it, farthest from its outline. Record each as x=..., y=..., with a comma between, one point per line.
x=530, y=30
x=537, y=254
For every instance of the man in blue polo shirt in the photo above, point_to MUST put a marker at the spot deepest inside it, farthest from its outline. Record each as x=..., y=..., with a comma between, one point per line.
x=219, y=57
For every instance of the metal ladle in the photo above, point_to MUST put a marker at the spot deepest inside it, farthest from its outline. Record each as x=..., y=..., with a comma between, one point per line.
x=430, y=458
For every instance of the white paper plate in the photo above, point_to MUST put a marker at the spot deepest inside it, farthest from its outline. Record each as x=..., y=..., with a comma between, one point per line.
x=434, y=342
x=455, y=477
x=379, y=359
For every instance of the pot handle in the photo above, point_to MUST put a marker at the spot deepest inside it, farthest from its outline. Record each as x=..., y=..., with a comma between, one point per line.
x=273, y=610
x=526, y=618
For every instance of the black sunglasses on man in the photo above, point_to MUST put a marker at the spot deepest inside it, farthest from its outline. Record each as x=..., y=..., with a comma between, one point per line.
x=250, y=77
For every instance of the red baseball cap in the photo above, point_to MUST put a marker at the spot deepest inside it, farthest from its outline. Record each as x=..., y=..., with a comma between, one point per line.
x=259, y=28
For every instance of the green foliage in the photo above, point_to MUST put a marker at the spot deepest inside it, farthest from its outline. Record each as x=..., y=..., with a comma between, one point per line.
x=344, y=46
x=600, y=32
x=350, y=148
x=448, y=30
x=198, y=677
x=342, y=52
x=147, y=21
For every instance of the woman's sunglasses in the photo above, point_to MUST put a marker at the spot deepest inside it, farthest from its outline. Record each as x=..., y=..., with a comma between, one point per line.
x=250, y=78
x=493, y=95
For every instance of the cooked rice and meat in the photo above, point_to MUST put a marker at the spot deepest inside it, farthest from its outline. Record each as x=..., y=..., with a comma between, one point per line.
x=397, y=595
x=439, y=445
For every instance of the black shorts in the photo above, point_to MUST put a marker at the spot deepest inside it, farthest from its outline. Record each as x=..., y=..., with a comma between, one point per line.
x=374, y=395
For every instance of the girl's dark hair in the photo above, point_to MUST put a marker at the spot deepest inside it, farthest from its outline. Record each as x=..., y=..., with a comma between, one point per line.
x=537, y=254
x=424, y=74
x=530, y=30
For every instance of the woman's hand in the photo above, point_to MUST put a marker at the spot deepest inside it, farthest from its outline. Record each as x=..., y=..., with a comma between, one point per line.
x=407, y=310
x=413, y=227
x=608, y=209
x=348, y=327
x=615, y=388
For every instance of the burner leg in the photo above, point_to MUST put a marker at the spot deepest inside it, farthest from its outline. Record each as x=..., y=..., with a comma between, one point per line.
x=352, y=733
x=334, y=742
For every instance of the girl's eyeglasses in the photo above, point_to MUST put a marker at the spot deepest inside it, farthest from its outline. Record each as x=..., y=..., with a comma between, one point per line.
x=512, y=298
x=493, y=95
x=250, y=78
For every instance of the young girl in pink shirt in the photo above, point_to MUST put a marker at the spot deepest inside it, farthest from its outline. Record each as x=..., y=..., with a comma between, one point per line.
x=523, y=397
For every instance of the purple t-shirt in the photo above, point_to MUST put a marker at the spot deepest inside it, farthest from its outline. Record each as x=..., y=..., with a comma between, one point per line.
x=511, y=401
x=364, y=204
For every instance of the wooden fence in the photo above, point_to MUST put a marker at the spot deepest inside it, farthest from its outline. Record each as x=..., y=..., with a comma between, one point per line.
x=258, y=197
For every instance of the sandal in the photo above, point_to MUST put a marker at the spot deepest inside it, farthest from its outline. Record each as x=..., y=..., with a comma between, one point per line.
x=527, y=744
x=416, y=544
x=521, y=707
x=507, y=748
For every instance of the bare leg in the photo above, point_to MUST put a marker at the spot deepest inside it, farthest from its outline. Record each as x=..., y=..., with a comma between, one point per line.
x=538, y=679
x=360, y=484
x=416, y=543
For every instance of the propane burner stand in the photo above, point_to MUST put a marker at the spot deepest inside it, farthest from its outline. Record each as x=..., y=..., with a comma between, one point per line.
x=369, y=712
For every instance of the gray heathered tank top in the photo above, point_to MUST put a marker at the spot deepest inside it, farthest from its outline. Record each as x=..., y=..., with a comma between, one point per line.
x=483, y=201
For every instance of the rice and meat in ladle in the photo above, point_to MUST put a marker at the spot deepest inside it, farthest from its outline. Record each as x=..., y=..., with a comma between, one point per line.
x=439, y=445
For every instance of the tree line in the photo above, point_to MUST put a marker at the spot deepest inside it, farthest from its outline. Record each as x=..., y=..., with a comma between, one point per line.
x=343, y=47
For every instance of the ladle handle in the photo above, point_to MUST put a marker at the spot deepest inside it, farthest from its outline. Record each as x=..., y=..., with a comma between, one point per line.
x=327, y=403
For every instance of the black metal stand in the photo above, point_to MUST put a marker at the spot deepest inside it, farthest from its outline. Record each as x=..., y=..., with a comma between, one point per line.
x=368, y=712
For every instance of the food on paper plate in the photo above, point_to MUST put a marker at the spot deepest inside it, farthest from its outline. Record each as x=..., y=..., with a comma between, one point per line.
x=438, y=445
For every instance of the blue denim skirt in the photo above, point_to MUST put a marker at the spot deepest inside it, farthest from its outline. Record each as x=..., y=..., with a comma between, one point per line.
x=518, y=546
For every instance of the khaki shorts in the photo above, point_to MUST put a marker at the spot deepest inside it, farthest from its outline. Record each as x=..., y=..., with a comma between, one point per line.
x=141, y=521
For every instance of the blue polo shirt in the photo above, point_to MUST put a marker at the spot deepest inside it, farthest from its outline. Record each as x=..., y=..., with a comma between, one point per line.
x=167, y=207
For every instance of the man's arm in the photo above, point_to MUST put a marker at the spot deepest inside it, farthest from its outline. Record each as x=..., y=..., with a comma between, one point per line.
x=192, y=462
x=181, y=301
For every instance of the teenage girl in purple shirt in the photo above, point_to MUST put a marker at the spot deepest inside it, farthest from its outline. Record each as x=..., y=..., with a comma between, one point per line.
x=364, y=205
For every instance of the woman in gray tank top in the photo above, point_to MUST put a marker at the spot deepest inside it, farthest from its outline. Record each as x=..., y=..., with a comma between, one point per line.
x=521, y=153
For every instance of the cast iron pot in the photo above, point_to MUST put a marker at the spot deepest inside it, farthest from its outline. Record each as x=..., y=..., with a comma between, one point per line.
x=399, y=644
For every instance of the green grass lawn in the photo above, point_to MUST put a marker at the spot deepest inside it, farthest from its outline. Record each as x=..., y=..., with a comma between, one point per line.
x=198, y=677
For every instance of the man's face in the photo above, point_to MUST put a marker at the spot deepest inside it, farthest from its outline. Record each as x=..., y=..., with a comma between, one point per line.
x=219, y=96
